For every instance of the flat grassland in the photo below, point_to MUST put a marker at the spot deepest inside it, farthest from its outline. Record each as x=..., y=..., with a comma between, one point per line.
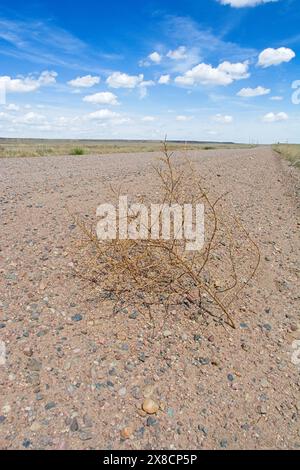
x=289, y=151
x=47, y=147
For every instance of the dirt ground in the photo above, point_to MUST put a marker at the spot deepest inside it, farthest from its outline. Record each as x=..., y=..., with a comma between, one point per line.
x=74, y=375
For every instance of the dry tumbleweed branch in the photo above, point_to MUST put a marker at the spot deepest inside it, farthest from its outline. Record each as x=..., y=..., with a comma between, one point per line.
x=150, y=273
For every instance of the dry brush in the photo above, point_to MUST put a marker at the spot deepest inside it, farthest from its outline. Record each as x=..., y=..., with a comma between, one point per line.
x=156, y=275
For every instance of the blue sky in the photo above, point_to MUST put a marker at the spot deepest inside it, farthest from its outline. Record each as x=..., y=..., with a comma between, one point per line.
x=209, y=70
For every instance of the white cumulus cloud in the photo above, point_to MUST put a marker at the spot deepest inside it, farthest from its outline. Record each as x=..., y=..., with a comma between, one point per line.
x=155, y=57
x=27, y=84
x=84, y=82
x=182, y=118
x=206, y=74
x=12, y=107
x=102, y=115
x=237, y=71
x=122, y=80
x=244, y=3
x=164, y=79
x=31, y=118
x=252, y=92
x=178, y=54
x=47, y=78
x=105, y=97
x=275, y=117
x=148, y=118
x=272, y=56
x=223, y=119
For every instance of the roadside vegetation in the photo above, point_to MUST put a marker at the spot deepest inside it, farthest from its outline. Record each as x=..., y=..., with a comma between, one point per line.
x=45, y=147
x=77, y=151
x=290, y=152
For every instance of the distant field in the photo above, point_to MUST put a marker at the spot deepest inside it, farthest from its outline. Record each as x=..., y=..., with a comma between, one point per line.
x=40, y=147
x=290, y=152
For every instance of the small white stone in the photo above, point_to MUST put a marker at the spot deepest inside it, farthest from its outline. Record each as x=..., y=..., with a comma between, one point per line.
x=122, y=392
x=6, y=409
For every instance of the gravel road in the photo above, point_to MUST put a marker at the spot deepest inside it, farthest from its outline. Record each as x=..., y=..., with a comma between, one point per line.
x=74, y=376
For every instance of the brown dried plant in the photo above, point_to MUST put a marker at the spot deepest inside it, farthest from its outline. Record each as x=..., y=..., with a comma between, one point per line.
x=150, y=274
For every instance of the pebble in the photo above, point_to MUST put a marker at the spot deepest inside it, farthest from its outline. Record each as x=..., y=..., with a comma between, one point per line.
x=129, y=367
x=77, y=317
x=26, y=443
x=151, y=421
x=127, y=432
x=197, y=338
x=74, y=425
x=2, y=419
x=50, y=405
x=35, y=315
x=224, y=443
x=230, y=377
x=150, y=406
x=42, y=333
x=204, y=361
x=262, y=409
x=134, y=315
x=142, y=356
x=6, y=409
x=99, y=385
x=35, y=427
x=85, y=436
x=263, y=397
x=167, y=333
x=28, y=351
x=264, y=383
x=267, y=327
x=122, y=392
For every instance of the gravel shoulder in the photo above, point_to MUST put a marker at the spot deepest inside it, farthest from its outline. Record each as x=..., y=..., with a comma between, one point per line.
x=75, y=376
